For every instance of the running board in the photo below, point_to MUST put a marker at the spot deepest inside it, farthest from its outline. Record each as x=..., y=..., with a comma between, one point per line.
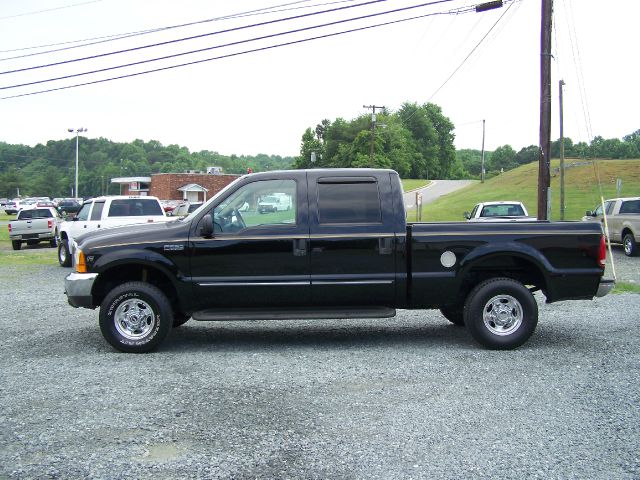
x=293, y=313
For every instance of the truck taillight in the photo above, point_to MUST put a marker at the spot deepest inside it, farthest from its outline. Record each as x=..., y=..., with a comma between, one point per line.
x=49, y=224
x=9, y=228
x=602, y=252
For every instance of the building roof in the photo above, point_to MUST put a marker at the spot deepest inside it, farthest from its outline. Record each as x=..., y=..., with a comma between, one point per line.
x=131, y=179
x=193, y=187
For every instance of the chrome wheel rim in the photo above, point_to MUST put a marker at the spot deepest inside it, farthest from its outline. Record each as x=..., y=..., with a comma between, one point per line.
x=134, y=319
x=502, y=315
x=627, y=245
x=62, y=254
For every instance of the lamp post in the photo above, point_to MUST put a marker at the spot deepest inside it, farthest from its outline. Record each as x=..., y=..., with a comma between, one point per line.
x=78, y=131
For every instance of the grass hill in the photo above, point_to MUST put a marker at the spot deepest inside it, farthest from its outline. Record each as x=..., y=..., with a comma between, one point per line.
x=581, y=189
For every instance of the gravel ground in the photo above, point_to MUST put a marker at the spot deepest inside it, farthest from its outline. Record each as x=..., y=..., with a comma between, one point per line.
x=410, y=397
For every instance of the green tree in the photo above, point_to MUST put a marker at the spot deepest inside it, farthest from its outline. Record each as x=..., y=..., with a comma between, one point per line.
x=503, y=158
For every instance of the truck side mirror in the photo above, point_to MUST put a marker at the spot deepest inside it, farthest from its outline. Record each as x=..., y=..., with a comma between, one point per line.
x=589, y=213
x=467, y=215
x=206, y=227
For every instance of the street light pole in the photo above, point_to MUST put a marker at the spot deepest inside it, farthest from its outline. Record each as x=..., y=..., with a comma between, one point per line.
x=78, y=131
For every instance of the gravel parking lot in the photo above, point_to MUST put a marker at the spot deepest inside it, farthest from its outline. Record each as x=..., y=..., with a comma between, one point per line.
x=410, y=397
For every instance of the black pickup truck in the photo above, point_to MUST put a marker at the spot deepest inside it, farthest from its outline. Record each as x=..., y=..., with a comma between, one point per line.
x=342, y=249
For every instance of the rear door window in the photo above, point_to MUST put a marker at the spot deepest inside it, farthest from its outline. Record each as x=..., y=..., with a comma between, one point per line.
x=345, y=202
x=96, y=213
x=630, y=206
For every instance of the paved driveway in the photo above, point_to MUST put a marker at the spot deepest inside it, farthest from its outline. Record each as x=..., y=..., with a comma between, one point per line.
x=434, y=190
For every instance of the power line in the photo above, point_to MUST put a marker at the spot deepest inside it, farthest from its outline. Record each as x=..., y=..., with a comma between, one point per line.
x=193, y=37
x=49, y=9
x=239, y=42
x=575, y=50
x=121, y=36
x=235, y=54
x=470, y=53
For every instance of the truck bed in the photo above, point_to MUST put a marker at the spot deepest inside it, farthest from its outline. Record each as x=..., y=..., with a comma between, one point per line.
x=559, y=261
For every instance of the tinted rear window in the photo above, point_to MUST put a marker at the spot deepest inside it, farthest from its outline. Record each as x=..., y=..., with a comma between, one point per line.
x=35, y=213
x=349, y=203
x=135, y=207
x=631, y=206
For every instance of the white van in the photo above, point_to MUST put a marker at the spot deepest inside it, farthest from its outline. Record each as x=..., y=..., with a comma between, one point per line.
x=275, y=202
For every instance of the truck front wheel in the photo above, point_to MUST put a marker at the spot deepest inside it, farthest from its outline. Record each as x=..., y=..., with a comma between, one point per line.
x=64, y=257
x=501, y=313
x=135, y=317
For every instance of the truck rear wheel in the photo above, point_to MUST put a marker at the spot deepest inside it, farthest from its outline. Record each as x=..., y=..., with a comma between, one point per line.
x=630, y=246
x=16, y=244
x=64, y=257
x=501, y=313
x=135, y=317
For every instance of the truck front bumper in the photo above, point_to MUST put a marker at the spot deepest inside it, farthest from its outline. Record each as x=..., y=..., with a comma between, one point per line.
x=605, y=287
x=77, y=288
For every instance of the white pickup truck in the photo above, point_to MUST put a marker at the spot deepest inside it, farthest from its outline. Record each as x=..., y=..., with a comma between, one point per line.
x=34, y=225
x=506, y=211
x=107, y=212
x=623, y=221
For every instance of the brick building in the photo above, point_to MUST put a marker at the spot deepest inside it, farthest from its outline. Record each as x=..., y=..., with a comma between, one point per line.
x=194, y=187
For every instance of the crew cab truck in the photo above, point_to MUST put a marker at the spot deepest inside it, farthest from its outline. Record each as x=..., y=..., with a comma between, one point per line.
x=34, y=225
x=107, y=212
x=503, y=211
x=623, y=221
x=344, y=250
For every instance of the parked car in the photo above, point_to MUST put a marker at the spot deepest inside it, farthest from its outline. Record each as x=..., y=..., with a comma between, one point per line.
x=12, y=207
x=504, y=211
x=34, y=225
x=69, y=207
x=344, y=251
x=185, y=208
x=169, y=205
x=623, y=221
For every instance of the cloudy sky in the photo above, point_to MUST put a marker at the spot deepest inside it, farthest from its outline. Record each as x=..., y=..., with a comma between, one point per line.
x=474, y=65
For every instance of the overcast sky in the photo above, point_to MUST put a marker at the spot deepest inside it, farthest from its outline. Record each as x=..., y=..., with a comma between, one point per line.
x=262, y=102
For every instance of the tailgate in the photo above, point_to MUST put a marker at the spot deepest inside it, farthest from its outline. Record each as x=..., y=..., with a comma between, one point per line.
x=30, y=228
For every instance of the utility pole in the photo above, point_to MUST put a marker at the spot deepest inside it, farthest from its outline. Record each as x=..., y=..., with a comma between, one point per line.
x=561, y=83
x=482, y=170
x=544, y=162
x=372, y=152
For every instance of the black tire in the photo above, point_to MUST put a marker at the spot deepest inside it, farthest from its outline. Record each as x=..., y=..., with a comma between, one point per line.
x=454, y=314
x=16, y=244
x=501, y=313
x=135, y=317
x=630, y=246
x=180, y=319
x=53, y=242
x=64, y=257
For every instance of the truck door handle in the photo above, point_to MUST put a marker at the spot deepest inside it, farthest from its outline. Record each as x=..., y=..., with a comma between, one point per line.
x=299, y=247
x=385, y=246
